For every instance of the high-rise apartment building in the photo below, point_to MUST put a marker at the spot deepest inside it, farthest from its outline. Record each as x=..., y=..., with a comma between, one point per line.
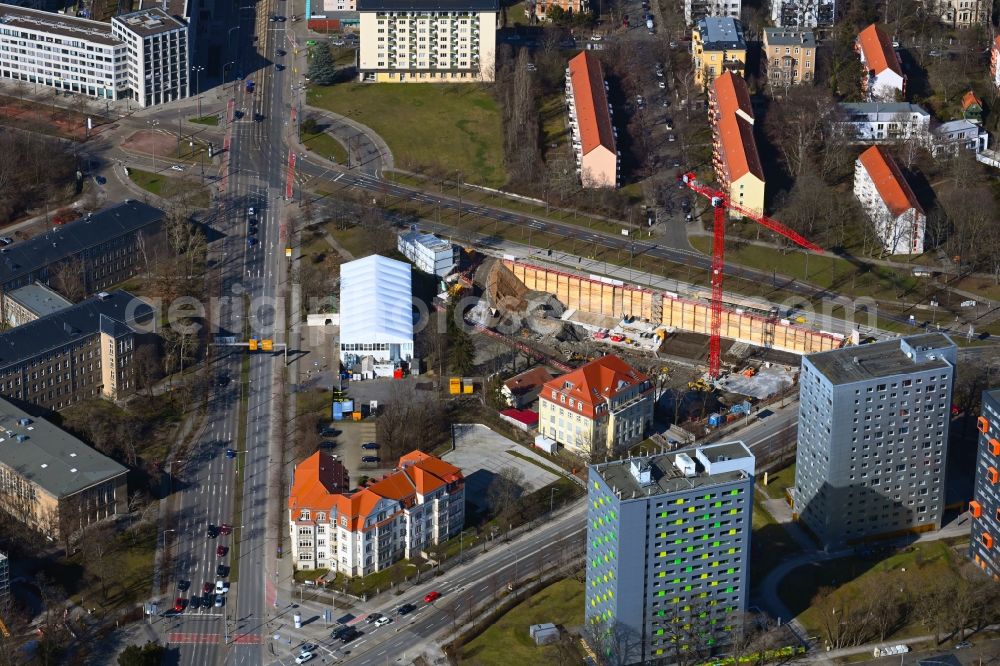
x=984, y=547
x=668, y=545
x=431, y=41
x=142, y=56
x=873, y=438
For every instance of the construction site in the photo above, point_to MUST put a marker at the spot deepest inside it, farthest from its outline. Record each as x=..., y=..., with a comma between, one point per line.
x=562, y=320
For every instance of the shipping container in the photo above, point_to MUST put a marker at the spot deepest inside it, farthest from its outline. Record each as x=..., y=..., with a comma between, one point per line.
x=348, y=406
x=454, y=386
x=338, y=411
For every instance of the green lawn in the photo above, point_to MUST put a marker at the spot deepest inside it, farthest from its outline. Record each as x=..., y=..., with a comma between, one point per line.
x=170, y=187
x=206, y=120
x=443, y=127
x=778, y=482
x=353, y=239
x=324, y=145
x=851, y=576
x=507, y=641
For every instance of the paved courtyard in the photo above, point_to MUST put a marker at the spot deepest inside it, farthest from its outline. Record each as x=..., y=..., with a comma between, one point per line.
x=481, y=453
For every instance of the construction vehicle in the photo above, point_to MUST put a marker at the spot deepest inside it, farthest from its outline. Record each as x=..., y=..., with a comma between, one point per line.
x=720, y=204
x=700, y=385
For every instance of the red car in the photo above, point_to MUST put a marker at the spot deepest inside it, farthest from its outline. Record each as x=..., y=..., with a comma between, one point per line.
x=179, y=604
x=225, y=528
x=207, y=588
x=221, y=551
x=431, y=596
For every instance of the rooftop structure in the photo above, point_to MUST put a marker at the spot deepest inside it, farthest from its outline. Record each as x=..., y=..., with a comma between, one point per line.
x=30, y=302
x=914, y=353
x=718, y=46
x=63, y=25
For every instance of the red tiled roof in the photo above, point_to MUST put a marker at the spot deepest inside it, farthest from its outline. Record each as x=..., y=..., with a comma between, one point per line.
x=968, y=99
x=591, y=101
x=525, y=416
x=735, y=126
x=318, y=479
x=877, y=50
x=528, y=380
x=889, y=181
x=593, y=383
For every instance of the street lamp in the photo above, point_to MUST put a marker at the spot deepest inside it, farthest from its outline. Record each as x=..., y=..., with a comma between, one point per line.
x=198, y=69
x=153, y=123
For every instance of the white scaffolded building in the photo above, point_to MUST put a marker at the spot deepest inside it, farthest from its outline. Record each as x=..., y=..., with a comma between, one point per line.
x=428, y=253
x=376, y=311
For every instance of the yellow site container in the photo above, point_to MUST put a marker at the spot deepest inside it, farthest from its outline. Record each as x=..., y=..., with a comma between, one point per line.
x=467, y=388
x=455, y=386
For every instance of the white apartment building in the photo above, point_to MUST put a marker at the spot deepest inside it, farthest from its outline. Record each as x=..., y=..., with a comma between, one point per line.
x=427, y=41
x=597, y=409
x=884, y=122
x=883, y=79
x=428, y=253
x=803, y=13
x=955, y=135
x=420, y=504
x=889, y=202
x=157, y=50
x=695, y=10
x=141, y=56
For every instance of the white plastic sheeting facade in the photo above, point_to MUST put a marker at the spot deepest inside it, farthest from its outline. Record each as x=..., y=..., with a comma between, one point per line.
x=376, y=311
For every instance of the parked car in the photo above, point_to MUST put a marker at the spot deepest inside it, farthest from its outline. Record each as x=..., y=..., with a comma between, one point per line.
x=207, y=600
x=432, y=596
x=307, y=647
x=251, y=241
x=327, y=444
x=278, y=66
x=964, y=645
x=250, y=211
x=329, y=432
x=370, y=459
x=671, y=138
x=669, y=122
x=177, y=167
x=370, y=446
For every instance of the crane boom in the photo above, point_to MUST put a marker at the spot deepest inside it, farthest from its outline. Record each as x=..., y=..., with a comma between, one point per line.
x=720, y=203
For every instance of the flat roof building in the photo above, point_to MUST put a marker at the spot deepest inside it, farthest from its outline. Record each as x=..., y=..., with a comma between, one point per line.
x=428, y=253
x=141, y=56
x=668, y=550
x=30, y=302
x=81, y=352
x=594, y=135
x=50, y=480
x=427, y=41
x=873, y=438
x=376, y=310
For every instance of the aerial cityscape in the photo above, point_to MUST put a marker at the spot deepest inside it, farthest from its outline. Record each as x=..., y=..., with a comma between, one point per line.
x=481, y=332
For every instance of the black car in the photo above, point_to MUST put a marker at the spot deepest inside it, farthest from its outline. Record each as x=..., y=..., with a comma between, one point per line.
x=340, y=631
x=183, y=585
x=279, y=67
x=207, y=599
x=372, y=617
x=351, y=634
x=212, y=531
x=223, y=380
x=327, y=444
x=369, y=459
x=371, y=446
x=195, y=602
x=405, y=609
x=329, y=432
x=221, y=571
x=281, y=52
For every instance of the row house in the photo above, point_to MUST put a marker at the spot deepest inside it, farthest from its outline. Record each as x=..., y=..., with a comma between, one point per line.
x=883, y=122
x=889, y=202
x=598, y=161
x=883, y=80
x=420, y=504
x=598, y=409
x=737, y=164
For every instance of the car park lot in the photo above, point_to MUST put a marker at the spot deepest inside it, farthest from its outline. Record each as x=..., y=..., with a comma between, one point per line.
x=481, y=453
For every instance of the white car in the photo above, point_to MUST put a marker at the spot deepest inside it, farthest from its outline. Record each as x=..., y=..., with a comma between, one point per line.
x=177, y=168
x=221, y=587
x=250, y=211
x=304, y=657
x=382, y=621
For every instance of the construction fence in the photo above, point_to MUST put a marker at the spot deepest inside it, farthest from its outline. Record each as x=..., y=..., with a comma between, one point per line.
x=613, y=298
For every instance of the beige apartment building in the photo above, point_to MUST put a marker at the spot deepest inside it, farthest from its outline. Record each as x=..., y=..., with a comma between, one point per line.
x=594, y=135
x=50, y=480
x=598, y=409
x=81, y=352
x=789, y=57
x=427, y=41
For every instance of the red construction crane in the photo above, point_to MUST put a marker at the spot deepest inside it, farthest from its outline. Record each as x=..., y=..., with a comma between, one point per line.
x=721, y=203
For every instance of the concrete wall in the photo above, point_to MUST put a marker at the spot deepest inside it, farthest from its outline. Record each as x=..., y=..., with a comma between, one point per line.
x=593, y=296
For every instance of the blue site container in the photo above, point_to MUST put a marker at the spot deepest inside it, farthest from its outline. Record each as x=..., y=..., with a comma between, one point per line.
x=338, y=412
x=714, y=420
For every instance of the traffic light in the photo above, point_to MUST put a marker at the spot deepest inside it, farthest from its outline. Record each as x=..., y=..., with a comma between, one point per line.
x=267, y=345
x=253, y=344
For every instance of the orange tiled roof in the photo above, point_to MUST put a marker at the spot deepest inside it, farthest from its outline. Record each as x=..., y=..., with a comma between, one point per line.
x=591, y=101
x=889, y=181
x=968, y=99
x=308, y=489
x=735, y=126
x=591, y=384
x=528, y=380
x=877, y=50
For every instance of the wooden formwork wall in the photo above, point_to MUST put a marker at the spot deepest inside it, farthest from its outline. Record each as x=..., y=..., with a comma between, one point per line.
x=613, y=300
